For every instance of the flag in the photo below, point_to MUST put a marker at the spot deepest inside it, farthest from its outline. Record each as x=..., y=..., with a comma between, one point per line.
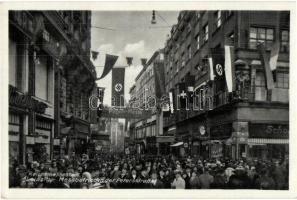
x=159, y=79
x=172, y=100
x=229, y=68
x=143, y=61
x=210, y=68
x=265, y=62
x=100, y=96
x=129, y=60
x=95, y=55
x=190, y=83
x=274, y=55
x=276, y=45
x=218, y=61
x=118, y=87
x=127, y=125
x=182, y=95
x=110, y=60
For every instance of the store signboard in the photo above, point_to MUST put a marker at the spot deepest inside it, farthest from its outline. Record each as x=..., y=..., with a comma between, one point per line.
x=275, y=131
x=222, y=131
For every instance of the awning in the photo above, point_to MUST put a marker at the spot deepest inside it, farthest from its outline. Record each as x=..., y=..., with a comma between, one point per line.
x=267, y=141
x=177, y=144
x=65, y=130
x=173, y=128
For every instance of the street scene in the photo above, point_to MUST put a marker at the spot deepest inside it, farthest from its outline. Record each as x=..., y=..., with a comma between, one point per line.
x=185, y=99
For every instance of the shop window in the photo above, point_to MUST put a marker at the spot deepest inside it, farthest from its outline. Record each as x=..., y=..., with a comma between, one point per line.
x=285, y=41
x=260, y=35
x=282, y=80
x=260, y=87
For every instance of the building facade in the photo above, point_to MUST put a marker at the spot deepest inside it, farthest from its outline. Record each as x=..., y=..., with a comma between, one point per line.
x=147, y=133
x=252, y=120
x=48, y=50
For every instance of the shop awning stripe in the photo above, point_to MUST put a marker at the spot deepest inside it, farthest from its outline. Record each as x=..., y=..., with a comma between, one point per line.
x=267, y=141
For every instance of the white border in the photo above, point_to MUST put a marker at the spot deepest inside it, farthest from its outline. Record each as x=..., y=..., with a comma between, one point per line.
x=136, y=194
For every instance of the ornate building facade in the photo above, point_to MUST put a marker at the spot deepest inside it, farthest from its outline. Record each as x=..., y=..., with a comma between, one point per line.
x=253, y=119
x=50, y=79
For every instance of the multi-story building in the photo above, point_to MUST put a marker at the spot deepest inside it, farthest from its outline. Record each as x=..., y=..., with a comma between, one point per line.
x=253, y=119
x=147, y=133
x=50, y=79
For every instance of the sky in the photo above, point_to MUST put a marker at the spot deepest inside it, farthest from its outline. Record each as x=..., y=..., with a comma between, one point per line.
x=127, y=33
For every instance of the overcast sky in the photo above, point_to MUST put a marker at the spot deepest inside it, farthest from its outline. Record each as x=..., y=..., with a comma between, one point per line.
x=132, y=35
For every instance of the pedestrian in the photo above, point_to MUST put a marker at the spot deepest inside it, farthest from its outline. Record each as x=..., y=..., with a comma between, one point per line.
x=194, y=181
x=205, y=179
x=179, y=182
x=155, y=182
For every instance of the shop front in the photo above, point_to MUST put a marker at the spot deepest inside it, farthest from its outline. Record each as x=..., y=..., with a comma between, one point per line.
x=199, y=137
x=219, y=143
x=268, y=141
x=163, y=144
x=15, y=132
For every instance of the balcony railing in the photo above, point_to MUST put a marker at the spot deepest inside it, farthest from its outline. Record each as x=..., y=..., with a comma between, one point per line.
x=246, y=94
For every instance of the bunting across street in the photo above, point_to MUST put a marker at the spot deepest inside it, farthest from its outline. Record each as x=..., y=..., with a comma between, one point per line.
x=110, y=61
x=95, y=55
x=129, y=60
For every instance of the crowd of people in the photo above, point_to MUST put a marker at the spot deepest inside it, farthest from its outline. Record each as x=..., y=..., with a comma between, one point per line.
x=147, y=171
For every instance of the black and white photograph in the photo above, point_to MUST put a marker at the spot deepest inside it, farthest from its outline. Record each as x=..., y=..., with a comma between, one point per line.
x=191, y=99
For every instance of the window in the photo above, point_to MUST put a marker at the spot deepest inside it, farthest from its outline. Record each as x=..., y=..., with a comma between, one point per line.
x=153, y=130
x=198, y=41
x=189, y=52
x=282, y=80
x=261, y=35
x=218, y=19
x=260, y=87
x=285, y=41
x=161, y=56
x=205, y=33
x=41, y=78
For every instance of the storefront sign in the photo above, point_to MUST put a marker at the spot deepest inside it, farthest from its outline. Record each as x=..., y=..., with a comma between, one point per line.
x=30, y=140
x=126, y=113
x=275, y=131
x=25, y=101
x=216, y=150
x=221, y=132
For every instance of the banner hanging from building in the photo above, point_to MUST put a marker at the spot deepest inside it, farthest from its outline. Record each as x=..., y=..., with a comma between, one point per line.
x=118, y=87
x=265, y=61
x=229, y=68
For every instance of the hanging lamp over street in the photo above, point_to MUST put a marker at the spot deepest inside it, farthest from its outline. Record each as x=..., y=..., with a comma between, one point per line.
x=153, y=18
